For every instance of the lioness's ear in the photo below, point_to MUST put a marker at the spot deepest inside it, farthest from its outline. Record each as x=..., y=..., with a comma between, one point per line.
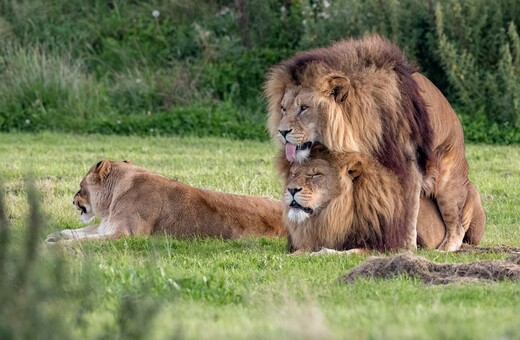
x=355, y=169
x=338, y=88
x=103, y=169
x=127, y=161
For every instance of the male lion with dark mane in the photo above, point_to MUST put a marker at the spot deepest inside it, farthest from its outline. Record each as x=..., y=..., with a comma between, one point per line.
x=349, y=202
x=134, y=201
x=362, y=95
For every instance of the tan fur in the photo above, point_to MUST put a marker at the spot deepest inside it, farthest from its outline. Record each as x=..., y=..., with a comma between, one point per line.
x=355, y=202
x=357, y=96
x=448, y=182
x=134, y=201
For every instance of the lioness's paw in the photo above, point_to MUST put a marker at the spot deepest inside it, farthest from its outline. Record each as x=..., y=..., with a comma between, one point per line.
x=53, y=238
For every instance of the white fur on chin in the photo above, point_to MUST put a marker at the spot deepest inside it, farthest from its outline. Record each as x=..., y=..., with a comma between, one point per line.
x=297, y=215
x=302, y=155
x=87, y=217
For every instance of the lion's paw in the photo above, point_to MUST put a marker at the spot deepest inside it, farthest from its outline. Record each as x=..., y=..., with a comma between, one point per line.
x=53, y=238
x=324, y=251
x=59, y=236
x=328, y=251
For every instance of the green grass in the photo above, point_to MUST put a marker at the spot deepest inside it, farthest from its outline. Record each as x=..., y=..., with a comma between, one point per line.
x=166, y=288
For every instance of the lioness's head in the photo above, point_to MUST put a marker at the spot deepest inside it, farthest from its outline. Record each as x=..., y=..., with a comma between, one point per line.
x=87, y=198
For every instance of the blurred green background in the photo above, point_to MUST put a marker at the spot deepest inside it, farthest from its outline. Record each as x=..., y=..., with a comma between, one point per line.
x=193, y=67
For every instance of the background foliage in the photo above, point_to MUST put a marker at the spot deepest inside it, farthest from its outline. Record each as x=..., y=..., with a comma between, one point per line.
x=197, y=67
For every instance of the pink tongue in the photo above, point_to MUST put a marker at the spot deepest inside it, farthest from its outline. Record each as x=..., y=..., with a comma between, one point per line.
x=290, y=152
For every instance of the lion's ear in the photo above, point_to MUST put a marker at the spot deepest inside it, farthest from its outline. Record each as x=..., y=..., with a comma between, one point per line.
x=338, y=88
x=355, y=169
x=103, y=169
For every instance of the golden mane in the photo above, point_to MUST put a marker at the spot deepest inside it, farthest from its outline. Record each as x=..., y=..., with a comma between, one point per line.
x=362, y=95
x=364, y=213
x=366, y=97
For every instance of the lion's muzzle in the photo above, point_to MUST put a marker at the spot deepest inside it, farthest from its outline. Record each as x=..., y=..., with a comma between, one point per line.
x=298, y=206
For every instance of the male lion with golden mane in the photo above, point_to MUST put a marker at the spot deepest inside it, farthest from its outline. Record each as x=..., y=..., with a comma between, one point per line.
x=362, y=95
x=349, y=202
x=134, y=201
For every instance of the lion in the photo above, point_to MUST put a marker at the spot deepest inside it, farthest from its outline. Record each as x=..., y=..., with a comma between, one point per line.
x=349, y=202
x=131, y=200
x=362, y=95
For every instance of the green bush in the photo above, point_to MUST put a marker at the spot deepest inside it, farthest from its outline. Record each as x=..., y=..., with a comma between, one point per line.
x=73, y=65
x=482, y=61
x=223, y=120
x=40, y=90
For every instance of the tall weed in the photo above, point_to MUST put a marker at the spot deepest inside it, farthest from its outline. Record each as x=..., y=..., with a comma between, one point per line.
x=40, y=89
x=48, y=293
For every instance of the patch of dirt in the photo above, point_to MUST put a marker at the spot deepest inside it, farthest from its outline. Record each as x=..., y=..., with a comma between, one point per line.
x=490, y=249
x=436, y=273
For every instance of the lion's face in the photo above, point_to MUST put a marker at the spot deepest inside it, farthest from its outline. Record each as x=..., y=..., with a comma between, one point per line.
x=87, y=199
x=312, y=185
x=298, y=126
x=82, y=200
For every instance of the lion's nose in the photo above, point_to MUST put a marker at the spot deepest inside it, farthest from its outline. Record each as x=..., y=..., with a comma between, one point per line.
x=284, y=132
x=293, y=191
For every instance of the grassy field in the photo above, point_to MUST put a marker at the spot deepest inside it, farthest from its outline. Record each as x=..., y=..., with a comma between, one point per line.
x=164, y=288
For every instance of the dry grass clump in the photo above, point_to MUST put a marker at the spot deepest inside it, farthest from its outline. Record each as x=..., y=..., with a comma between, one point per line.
x=436, y=273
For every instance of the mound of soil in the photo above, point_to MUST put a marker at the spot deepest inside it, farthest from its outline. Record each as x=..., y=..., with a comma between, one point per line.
x=436, y=273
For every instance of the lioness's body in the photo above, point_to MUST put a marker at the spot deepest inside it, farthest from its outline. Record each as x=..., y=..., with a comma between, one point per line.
x=134, y=201
x=349, y=201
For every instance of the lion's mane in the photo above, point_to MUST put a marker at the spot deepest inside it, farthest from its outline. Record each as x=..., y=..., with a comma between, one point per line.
x=367, y=101
x=365, y=91
x=367, y=212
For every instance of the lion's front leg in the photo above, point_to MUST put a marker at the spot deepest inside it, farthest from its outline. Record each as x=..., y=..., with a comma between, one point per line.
x=94, y=232
x=74, y=234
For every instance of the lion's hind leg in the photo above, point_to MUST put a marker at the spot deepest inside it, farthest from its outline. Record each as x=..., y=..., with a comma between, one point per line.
x=473, y=216
x=450, y=201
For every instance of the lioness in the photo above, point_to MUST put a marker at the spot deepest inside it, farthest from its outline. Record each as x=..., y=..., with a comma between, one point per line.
x=134, y=201
x=350, y=202
x=362, y=95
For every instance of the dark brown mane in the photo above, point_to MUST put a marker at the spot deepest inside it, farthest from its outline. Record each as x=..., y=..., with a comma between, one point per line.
x=349, y=57
x=297, y=65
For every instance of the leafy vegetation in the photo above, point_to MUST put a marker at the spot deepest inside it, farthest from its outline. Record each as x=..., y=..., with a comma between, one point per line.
x=159, y=287
x=197, y=67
